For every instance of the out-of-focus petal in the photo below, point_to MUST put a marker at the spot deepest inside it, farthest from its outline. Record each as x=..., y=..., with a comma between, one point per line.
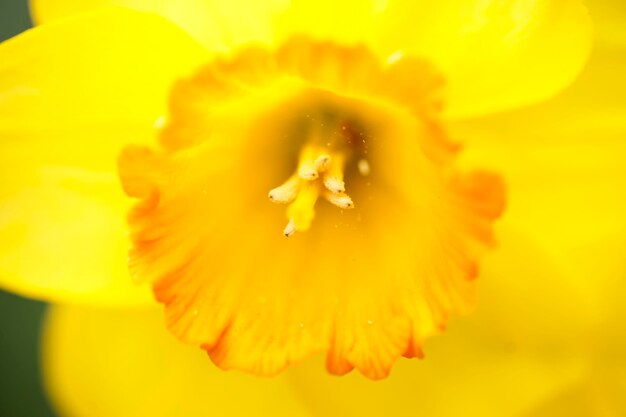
x=608, y=17
x=103, y=363
x=563, y=159
x=495, y=54
x=217, y=24
x=63, y=237
x=110, y=67
x=71, y=94
x=470, y=371
x=349, y=22
x=571, y=401
x=563, y=162
x=599, y=393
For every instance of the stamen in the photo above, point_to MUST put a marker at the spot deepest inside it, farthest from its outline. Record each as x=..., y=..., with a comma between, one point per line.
x=290, y=229
x=302, y=211
x=320, y=171
x=321, y=163
x=333, y=179
x=308, y=172
x=307, y=169
x=286, y=192
x=341, y=200
x=334, y=184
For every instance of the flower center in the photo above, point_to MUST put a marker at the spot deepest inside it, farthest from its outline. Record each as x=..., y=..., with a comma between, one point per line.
x=319, y=173
x=366, y=287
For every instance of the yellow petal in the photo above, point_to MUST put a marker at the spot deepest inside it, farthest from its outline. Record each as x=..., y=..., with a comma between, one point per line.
x=611, y=341
x=495, y=55
x=501, y=54
x=103, y=363
x=563, y=159
x=525, y=345
x=600, y=392
x=578, y=400
x=217, y=24
x=71, y=95
x=350, y=22
x=528, y=333
x=608, y=17
x=77, y=71
x=470, y=371
x=563, y=163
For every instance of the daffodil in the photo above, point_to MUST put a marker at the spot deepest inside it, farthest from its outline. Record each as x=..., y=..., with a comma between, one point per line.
x=351, y=103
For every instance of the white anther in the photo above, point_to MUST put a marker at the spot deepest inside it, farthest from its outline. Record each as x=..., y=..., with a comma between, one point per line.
x=307, y=171
x=290, y=229
x=334, y=184
x=286, y=192
x=341, y=200
x=321, y=163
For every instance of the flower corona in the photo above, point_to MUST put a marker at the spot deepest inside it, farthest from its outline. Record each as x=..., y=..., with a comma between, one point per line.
x=353, y=146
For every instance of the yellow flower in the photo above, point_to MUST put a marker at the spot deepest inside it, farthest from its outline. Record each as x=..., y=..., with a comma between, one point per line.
x=491, y=56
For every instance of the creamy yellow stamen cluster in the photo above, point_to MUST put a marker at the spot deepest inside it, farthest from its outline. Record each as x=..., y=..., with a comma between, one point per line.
x=320, y=172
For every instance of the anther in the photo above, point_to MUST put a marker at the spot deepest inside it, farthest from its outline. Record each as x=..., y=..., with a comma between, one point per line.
x=307, y=169
x=321, y=163
x=333, y=178
x=290, y=229
x=334, y=184
x=341, y=200
x=286, y=192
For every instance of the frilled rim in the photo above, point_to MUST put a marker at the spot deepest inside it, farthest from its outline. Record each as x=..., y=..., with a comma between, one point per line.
x=366, y=285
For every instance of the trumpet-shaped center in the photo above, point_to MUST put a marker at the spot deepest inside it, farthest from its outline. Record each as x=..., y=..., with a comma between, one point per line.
x=353, y=147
